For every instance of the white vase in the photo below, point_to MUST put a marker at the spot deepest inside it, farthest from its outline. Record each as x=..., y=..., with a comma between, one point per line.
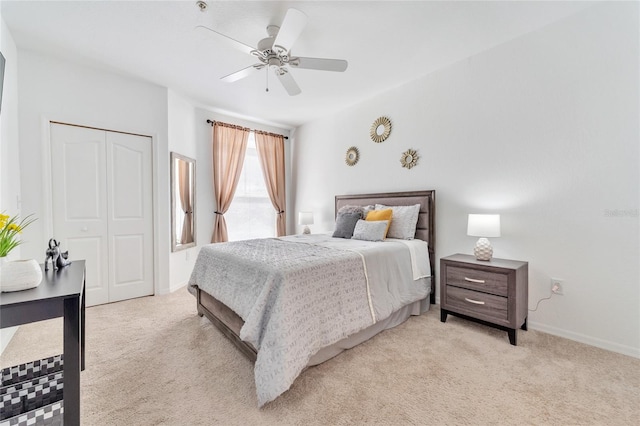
x=19, y=274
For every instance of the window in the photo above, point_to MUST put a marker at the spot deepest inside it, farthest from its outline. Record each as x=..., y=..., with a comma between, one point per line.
x=251, y=214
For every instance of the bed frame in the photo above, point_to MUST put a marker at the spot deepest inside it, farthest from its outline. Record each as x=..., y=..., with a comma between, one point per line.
x=230, y=323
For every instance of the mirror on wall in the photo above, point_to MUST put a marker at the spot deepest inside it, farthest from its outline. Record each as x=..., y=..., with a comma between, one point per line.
x=183, y=202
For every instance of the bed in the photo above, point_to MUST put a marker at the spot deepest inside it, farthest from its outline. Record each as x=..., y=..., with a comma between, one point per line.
x=288, y=315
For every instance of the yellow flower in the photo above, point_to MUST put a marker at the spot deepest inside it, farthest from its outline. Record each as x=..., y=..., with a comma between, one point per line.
x=10, y=227
x=14, y=227
x=3, y=220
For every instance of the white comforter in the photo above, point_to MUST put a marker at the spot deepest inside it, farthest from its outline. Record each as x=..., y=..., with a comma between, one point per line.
x=391, y=270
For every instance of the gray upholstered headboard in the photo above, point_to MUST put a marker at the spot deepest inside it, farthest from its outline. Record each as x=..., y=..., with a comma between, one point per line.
x=425, y=229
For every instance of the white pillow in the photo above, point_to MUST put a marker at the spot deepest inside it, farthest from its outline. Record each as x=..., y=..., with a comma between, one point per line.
x=370, y=230
x=403, y=221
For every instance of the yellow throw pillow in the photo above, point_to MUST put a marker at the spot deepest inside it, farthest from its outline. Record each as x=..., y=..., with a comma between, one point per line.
x=381, y=215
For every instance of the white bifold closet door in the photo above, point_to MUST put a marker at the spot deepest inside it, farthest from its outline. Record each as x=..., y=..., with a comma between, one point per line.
x=103, y=208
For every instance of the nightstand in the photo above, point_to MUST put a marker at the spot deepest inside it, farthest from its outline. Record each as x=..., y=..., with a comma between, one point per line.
x=494, y=292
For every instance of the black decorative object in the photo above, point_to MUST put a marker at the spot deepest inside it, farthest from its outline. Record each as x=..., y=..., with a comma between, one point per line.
x=63, y=259
x=58, y=259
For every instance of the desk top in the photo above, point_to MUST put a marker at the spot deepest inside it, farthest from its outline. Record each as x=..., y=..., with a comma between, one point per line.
x=61, y=284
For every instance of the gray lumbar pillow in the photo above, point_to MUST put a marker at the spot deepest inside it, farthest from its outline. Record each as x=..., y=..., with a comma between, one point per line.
x=370, y=230
x=345, y=223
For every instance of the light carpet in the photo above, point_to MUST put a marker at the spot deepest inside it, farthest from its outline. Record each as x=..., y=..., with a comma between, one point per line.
x=154, y=361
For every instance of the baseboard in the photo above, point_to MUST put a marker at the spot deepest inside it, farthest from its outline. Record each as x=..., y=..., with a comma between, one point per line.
x=593, y=341
x=177, y=286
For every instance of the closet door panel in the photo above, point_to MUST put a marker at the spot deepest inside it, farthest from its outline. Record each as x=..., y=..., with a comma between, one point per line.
x=130, y=218
x=78, y=165
x=91, y=250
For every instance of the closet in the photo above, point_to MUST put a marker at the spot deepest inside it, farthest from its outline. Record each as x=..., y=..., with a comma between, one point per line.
x=103, y=208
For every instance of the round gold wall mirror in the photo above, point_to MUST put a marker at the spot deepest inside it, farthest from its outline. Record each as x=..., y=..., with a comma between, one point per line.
x=353, y=155
x=380, y=129
x=409, y=158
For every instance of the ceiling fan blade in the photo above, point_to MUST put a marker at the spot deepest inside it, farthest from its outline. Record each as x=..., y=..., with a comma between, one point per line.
x=287, y=81
x=293, y=24
x=242, y=73
x=230, y=41
x=338, y=65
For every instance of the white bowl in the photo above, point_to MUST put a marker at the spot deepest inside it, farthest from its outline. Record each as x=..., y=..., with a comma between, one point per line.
x=20, y=275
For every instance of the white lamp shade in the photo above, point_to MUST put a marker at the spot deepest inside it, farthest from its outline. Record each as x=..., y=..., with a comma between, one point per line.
x=305, y=218
x=483, y=225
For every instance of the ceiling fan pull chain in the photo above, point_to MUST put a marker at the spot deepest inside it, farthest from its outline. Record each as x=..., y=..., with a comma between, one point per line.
x=267, y=89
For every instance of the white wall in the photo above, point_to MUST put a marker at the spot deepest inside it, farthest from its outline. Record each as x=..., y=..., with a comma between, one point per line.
x=183, y=140
x=9, y=134
x=543, y=130
x=9, y=146
x=52, y=89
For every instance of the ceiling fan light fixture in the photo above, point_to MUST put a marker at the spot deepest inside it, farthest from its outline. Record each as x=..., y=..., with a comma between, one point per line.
x=274, y=63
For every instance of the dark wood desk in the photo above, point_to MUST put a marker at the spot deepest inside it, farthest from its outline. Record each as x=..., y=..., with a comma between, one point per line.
x=60, y=294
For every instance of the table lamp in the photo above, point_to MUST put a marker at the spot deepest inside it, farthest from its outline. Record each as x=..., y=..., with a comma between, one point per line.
x=483, y=226
x=306, y=219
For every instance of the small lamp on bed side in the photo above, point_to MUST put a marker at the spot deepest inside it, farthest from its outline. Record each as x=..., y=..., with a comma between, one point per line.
x=483, y=226
x=306, y=219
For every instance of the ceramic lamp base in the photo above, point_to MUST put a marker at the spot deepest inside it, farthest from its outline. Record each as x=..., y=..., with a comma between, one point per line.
x=306, y=230
x=483, y=249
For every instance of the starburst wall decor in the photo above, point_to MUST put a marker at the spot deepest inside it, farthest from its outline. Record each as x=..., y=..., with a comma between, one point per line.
x=409, y=158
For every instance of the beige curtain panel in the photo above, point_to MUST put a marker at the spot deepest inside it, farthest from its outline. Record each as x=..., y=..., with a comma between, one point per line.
x=271, y=153
x=184, y=180
x=229, y=147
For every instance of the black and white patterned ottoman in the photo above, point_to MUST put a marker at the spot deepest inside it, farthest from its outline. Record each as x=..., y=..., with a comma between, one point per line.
x=31, y=393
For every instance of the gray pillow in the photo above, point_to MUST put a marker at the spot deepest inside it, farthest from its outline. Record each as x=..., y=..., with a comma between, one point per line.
x=345, y=223
x=363, y=209
x=350, y=209
x=370, y=230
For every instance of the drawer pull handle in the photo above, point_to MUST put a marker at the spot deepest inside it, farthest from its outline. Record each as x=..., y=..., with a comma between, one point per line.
x=477, y=302
x=471, y=280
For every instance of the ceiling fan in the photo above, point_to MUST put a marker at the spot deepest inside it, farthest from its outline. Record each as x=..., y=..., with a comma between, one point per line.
x=274, y=52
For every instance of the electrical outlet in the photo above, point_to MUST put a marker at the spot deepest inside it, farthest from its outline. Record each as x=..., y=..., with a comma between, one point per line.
x=557, y=286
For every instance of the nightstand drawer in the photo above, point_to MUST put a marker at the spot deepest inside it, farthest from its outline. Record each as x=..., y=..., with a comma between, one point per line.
x=487, y=282
x=478, y=304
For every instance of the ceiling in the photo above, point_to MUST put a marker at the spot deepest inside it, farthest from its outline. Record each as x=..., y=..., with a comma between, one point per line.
x=386, y=43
